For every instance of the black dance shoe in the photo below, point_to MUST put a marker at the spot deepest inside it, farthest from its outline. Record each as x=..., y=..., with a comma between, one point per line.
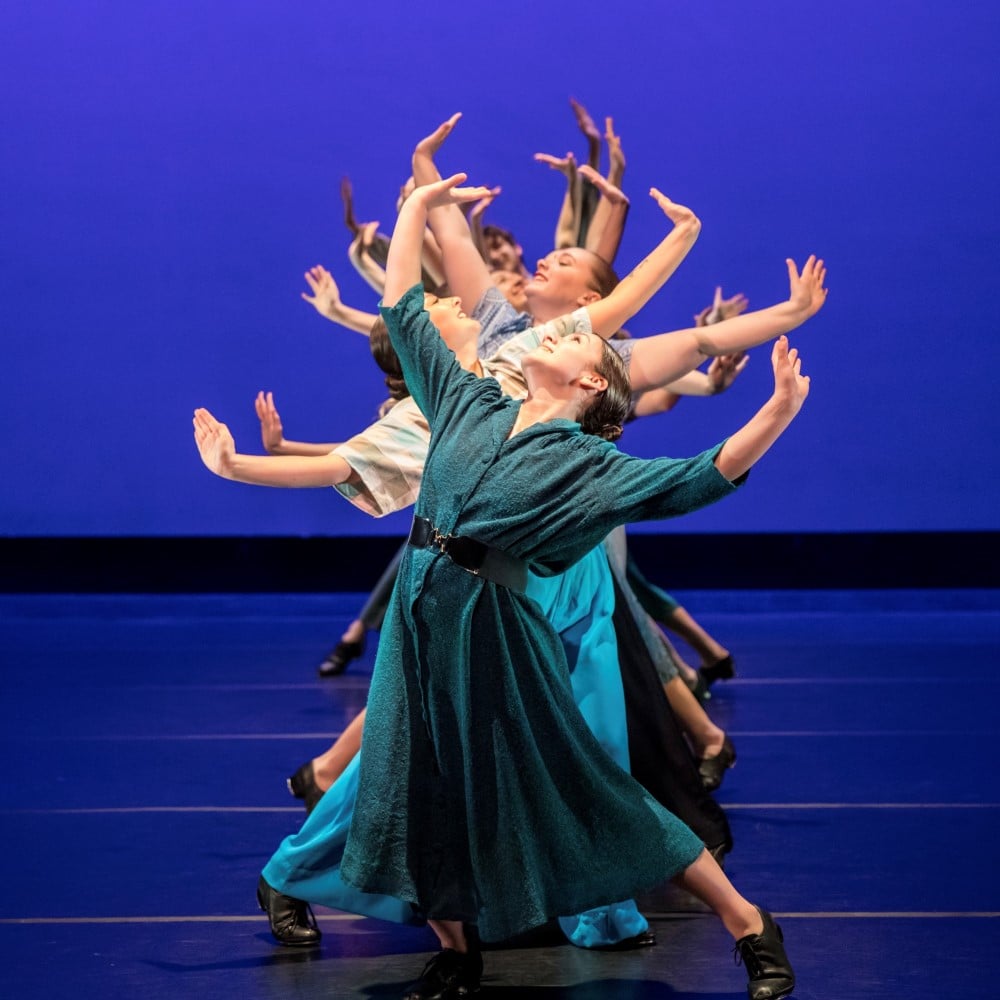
x=303, y=786
x=721, y=670
x=292, y=921
x=713, y=769
x=448, y=975
x=763, y=954
x=337, y=659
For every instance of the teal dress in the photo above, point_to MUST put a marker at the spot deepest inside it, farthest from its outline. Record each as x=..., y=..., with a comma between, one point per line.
x=483, y=797
x=579, y=604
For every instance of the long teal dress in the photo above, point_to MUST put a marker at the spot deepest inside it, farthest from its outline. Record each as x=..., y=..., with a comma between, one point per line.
x=483, y=797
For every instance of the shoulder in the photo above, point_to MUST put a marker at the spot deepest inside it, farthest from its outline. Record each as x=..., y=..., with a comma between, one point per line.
x=410, y=304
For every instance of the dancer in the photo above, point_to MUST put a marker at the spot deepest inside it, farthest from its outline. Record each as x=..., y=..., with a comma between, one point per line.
x=497, y=518
x=380, y=471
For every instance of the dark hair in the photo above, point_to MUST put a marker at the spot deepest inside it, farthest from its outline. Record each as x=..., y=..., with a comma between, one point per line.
x=387, y=359
x=602, y=275
x=606, y=414
x=504, y=234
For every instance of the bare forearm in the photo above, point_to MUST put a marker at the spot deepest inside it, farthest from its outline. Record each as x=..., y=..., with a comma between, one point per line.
x=347, y=316
x=662, y=359
x=369, y=270
x=605, y=233
x=433, y=259
x=656, y=401
x=287, y=470
x=403, y=266
x=301, y=448
x=568, y=222
x=745, y=448
x=633, y=292
x=693, y=384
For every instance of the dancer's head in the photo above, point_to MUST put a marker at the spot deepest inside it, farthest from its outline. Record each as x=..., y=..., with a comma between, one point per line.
x=582, y=367
x=511, y=284
x=501, y=249
x=457, y=331
x=567, y=279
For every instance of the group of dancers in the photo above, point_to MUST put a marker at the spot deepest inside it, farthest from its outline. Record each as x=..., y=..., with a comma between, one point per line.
x=532, y=748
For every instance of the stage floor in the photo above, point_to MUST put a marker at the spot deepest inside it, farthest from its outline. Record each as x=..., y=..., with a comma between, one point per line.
x=147, y=740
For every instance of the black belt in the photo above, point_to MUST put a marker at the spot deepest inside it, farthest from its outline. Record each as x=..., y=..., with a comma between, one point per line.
x=476, y=557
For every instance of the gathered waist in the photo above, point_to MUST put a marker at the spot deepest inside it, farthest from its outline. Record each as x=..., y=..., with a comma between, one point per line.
x=472, y=555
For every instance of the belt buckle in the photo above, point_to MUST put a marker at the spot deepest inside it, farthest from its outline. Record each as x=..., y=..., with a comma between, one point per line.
x=441, y=541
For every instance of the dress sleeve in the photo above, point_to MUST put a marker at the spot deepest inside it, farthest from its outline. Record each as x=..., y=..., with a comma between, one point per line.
x=430, y=368
x=652, y=489
x=387, y=459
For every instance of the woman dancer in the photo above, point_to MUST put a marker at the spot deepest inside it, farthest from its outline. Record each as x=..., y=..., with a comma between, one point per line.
x=475, y=720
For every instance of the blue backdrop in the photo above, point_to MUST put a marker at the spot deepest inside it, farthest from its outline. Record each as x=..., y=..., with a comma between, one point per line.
x=169, y=170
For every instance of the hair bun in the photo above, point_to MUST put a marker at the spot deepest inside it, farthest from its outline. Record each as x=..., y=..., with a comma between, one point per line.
x=610, y=432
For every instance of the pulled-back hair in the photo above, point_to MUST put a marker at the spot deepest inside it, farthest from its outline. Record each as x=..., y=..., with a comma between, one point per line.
x=602, y=275
x=387, y=359
x=607, y=413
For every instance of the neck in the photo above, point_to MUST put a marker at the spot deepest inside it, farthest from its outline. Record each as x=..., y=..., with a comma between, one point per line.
x=540, y=406
x=542, y=312
x=468, y=358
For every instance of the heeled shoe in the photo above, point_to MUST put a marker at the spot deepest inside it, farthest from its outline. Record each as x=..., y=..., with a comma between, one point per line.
x=764, y=957
x=713, y=769
x=337, y=659
x=448, y=975
x=721, y=670
x=292, y=921
x=303, y=786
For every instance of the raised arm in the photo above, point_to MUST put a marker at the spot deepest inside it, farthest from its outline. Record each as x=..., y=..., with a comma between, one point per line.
x=218, y=452
x=568, y=222
x=612, y=312
x=272, y=433
x=465, y=271
x=606, y=229
x=659, y=360
x=741, y=451
x=325, y=299
x=720, y=376
x=359, y=254
x=403, y=266
x=475, y=218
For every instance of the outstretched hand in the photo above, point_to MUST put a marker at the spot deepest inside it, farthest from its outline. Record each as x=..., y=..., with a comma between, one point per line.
x=566, y=165
x=790, y=386
x=723, y=370
x=272, y=434
x=484, y=203
x=677, y=214
x=721, y=308
x=325, y=298
x=363, y=238
x=616, y=155
x=448, y=192
x=806, y=289
x=583, y=120
x=215, y=443
x=429, y=145
x=612, y=192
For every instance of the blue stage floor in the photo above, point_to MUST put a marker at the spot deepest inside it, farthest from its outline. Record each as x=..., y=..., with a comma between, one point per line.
x=147, y=741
